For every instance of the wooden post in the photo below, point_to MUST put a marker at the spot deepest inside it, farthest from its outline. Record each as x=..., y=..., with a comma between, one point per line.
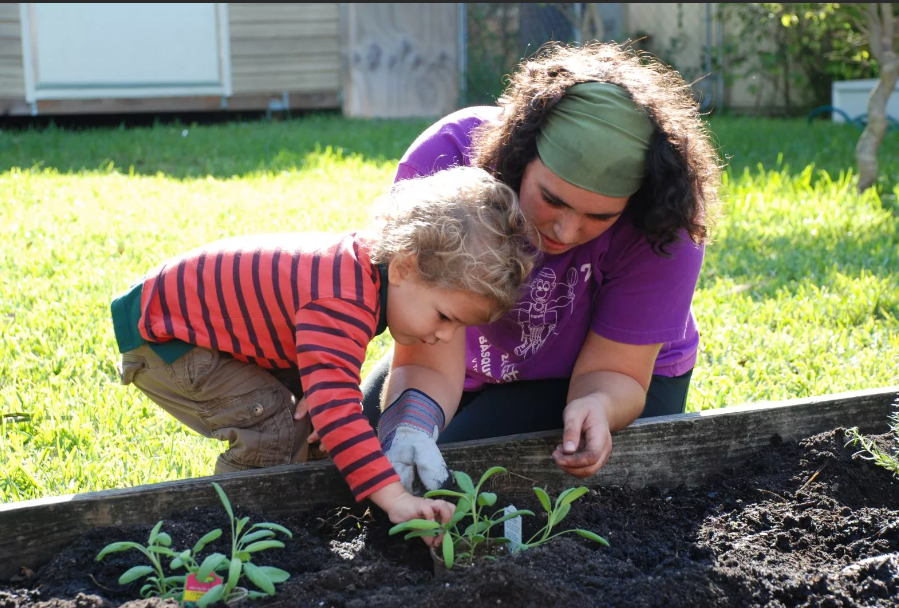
x=399, y=60
x=664, y=451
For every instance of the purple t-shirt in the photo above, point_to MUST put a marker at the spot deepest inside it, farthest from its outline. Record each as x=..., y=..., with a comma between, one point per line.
x=615, y=285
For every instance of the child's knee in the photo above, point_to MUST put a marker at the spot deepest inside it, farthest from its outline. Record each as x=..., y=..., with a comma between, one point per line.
x=259, y=428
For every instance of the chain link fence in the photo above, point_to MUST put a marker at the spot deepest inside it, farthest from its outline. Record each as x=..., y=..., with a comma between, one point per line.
x=683, y=35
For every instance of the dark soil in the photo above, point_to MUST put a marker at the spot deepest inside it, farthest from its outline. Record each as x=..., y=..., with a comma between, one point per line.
x=805, y=524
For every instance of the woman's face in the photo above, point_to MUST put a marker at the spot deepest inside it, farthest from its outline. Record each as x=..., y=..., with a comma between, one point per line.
x=566, y=216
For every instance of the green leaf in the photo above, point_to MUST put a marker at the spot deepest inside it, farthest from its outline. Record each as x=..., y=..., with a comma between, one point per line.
x=234, y=571
x=559, y=514
x=569, y=496
x=225, y=501
x=159, y=550
x=154, y=532
x=259, y=578
x=275, y=527
x=145, y=590
x=543, y=497
x=592, y=536
x=243, y=556
x=175, y=580
x=511, y=515
x=449, y=493
x=264, y=544
x=275, y=575
x=256, y=595
x=420, y=533
x=209, y=564
x=459, y=514
x=487, y=499
x=211, y=596
x=135, y=573
x=448, y=551
x=176, y=563
x=207, y=538
x=490, y=473
x=241, y=523
x=116, y=547
x=254, y=536
x=464, y=482
x=414, y=524
x=476, y=528
x=478, y=538
x=163, y=539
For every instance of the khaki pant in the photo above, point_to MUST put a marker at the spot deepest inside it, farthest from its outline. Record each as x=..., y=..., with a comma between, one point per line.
x=221, y=397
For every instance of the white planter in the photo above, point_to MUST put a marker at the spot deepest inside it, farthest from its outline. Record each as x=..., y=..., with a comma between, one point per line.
x=851, y=96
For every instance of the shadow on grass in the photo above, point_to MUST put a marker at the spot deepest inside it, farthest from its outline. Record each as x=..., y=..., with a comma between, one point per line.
x=762, y=267
x=185, y=151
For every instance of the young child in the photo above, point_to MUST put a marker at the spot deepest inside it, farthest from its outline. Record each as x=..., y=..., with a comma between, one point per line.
x=229, y=337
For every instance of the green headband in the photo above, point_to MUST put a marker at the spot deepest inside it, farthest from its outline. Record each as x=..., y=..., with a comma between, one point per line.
x=597, y=139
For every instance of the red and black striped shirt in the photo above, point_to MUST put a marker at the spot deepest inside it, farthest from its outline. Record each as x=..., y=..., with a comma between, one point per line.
x=306, y=299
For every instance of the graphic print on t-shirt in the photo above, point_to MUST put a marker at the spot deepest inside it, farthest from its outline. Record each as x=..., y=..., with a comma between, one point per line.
x=537, y=315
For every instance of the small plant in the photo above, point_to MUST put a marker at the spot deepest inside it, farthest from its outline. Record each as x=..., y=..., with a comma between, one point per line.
x=245, y=541
x=870, y=451
x=461, y=547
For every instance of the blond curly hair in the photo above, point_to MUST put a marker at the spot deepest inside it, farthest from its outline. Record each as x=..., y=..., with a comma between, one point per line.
x=465, y=230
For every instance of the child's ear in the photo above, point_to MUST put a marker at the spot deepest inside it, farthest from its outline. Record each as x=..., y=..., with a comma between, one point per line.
x=400, y=267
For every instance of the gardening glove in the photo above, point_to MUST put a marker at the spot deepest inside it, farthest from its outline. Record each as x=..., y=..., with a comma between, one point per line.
x=408, y=431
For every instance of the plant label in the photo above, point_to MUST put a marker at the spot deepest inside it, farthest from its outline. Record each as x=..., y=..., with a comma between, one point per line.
x=195, y=589
x=512, y=529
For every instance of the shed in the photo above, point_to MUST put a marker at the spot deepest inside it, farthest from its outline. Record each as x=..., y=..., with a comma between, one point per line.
x=367, y=59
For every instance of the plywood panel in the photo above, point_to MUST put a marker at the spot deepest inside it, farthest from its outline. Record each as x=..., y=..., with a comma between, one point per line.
x=665, y=452
x=401, y=60
x=12, y=70
x=284, y=47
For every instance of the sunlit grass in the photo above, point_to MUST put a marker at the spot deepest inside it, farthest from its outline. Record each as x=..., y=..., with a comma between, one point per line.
x=798, y=295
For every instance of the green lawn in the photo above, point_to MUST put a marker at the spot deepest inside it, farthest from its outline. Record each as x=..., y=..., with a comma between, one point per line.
x=799, y=295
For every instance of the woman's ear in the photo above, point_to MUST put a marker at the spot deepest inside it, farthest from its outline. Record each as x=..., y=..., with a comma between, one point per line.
x=400, y=267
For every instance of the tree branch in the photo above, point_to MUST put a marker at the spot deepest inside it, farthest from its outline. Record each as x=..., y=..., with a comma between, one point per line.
x=875, y=40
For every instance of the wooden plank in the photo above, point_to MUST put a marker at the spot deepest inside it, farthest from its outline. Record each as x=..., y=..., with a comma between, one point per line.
x=284, y=29
x=11, y=48
x=286, y=69
x=252, y=47
x=14, y=106
x=249, y=12
x=402, y=60
x=299, y=99
x=287, y=82
x=10, y=29
x=665, y=452
x=9, y=11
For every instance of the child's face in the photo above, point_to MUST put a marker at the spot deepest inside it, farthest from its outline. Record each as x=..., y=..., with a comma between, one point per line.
x=421, y=313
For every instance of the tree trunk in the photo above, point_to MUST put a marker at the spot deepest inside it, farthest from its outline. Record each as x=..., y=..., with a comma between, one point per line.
x=882, y=29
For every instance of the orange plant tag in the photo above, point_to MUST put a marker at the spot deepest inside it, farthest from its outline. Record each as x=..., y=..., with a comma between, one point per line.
x=195, y=589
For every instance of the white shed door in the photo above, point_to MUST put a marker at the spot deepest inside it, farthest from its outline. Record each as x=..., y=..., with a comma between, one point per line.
x=91, y=50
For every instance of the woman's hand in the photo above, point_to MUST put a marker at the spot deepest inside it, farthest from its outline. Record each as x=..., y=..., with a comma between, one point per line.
x=587, y=440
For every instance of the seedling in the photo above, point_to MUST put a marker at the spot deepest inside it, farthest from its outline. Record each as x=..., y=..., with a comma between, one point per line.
x=870, y=451
x=461, y=547
x=158, y=584
x=245, y=542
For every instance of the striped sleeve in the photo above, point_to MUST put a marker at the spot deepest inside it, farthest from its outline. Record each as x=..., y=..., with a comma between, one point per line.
x=332, y=336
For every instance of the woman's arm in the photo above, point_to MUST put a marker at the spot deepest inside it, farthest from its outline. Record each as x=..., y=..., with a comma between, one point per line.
x=607, y=392
x=438, y=371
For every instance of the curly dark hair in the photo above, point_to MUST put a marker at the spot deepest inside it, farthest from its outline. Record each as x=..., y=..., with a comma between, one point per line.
x=680, y=191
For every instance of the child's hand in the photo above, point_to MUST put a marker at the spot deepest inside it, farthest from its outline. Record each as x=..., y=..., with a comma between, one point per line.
x=402, y=506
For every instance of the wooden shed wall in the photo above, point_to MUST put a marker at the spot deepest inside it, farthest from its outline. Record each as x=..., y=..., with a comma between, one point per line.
x=275, y=48
x=12, y=71
x=284, y=47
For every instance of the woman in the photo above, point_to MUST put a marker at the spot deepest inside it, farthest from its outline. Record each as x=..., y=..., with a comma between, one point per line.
x=617, y=173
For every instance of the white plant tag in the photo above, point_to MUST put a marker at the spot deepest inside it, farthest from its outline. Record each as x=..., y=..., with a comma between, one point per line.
x=512, y=529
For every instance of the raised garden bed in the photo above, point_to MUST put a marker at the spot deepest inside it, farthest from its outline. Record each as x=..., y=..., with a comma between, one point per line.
x=758, y=505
